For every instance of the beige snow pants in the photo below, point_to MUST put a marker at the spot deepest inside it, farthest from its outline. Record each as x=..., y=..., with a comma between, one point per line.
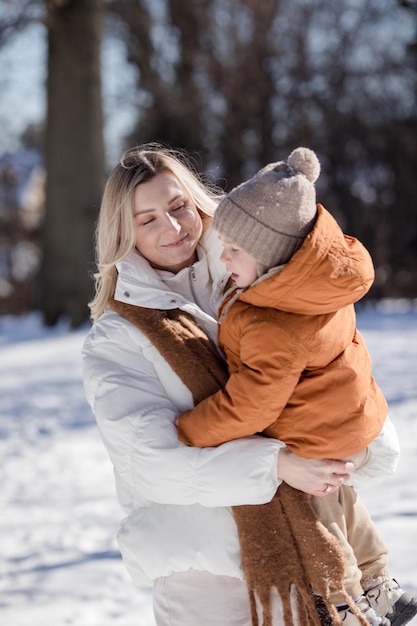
x=365, y=554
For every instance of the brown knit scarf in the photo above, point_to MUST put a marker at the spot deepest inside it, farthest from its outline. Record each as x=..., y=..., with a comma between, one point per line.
x=283, y=543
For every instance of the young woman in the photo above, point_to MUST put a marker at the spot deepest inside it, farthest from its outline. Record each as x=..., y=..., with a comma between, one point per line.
x=159, y=284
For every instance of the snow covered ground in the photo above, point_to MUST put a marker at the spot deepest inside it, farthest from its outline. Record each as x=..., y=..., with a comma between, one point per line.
x=59, y=561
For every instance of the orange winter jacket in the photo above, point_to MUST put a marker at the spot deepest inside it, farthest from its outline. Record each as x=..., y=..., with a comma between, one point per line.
x=299, y=369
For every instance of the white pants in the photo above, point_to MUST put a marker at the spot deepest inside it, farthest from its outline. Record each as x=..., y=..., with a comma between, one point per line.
x=196, y=598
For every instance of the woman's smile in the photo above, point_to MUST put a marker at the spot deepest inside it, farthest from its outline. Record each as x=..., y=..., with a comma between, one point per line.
x=177, y=243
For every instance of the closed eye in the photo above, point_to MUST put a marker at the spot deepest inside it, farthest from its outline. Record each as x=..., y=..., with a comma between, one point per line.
x=178, y=208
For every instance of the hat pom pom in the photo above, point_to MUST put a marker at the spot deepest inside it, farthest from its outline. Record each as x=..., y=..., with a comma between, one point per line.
x=305, y=161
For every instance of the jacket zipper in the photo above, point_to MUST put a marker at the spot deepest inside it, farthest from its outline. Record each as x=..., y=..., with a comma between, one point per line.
x=193, y=279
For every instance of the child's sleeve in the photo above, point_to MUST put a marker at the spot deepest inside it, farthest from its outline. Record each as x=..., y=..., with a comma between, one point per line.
x=254, y=395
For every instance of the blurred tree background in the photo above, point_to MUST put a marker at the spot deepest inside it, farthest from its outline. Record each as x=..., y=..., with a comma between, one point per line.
x=237, y=83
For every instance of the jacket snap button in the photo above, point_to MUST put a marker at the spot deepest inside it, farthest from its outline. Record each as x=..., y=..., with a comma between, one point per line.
x=126, y=294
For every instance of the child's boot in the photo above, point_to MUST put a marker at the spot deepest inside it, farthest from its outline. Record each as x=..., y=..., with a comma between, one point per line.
x=388, y=599
x=349, y=619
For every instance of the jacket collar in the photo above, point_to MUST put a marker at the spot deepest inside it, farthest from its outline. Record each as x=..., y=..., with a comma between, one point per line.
x=139, y=284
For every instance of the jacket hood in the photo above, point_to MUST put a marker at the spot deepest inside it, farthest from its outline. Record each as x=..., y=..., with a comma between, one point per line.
x=331, y=270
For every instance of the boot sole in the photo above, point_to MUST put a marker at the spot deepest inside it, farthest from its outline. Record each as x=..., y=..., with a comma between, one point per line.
x=405, y=610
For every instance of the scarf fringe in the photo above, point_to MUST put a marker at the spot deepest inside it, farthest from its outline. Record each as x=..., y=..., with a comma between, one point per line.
x=285, y=547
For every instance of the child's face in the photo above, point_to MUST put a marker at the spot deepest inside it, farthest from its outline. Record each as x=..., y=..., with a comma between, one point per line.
x=241, y=264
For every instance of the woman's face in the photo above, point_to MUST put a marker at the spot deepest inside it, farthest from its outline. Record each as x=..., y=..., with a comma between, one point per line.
x=167, y=224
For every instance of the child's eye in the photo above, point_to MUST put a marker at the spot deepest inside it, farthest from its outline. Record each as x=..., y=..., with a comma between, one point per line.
x=179, y=207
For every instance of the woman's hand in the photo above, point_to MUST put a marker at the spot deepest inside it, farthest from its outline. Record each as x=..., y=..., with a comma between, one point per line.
x=359, y=459
x=315, y=476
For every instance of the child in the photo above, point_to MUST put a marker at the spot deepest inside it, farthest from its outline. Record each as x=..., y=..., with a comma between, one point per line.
x=299, y=369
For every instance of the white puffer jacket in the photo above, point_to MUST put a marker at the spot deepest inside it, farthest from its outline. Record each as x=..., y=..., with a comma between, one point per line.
x=177, y=498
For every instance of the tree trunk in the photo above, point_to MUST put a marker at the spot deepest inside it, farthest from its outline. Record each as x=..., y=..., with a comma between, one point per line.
x=74, y=157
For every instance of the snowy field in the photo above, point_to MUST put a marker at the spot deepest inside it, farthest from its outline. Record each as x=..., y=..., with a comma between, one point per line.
x=59, y=561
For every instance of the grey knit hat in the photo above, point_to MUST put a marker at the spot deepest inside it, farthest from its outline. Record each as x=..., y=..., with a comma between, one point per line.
x=270, y=214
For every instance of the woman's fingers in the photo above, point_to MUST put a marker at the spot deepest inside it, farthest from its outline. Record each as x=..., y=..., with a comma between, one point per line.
x=318, y=477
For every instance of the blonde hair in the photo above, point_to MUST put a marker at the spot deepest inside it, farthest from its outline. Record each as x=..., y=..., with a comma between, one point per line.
x=115, y=232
